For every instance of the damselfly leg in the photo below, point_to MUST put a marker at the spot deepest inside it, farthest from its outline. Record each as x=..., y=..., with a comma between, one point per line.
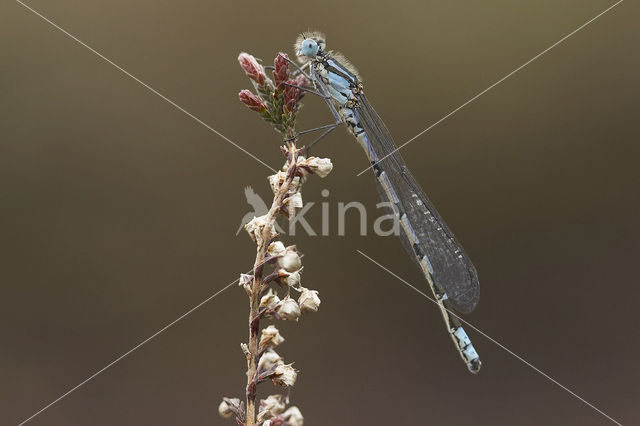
x=322, y=89
x=299, y=69
x=306, y=89
x=322, y=92
x=330, y=127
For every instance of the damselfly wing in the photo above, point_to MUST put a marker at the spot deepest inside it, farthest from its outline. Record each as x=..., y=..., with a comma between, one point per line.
x=452, y=268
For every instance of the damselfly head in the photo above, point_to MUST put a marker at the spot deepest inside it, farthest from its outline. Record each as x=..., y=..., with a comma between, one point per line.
x=308, y=45
x=308, y=48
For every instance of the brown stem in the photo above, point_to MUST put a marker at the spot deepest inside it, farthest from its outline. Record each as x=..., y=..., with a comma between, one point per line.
x=254, y=298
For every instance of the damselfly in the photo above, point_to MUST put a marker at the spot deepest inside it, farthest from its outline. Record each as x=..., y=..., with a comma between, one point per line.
x=451, y=275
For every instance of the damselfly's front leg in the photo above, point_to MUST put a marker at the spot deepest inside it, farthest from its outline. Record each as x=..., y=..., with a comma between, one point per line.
x=299, y=69
x=322, y=92
x=306, y=89
x=329, y=128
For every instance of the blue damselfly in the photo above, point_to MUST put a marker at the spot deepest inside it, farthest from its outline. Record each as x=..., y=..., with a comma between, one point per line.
x=451, y=275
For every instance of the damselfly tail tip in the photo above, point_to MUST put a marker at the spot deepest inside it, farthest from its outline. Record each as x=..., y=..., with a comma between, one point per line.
x=474, y=366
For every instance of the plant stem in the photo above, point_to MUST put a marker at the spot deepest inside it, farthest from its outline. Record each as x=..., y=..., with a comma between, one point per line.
x=254, y=298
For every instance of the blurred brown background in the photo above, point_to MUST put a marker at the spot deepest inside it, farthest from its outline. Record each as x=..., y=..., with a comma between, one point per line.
x=118, y=212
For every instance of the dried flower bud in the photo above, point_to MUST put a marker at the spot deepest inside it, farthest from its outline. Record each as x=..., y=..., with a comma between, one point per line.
x=224, y=410
x=289, y=279
x=290, y=260
x=269, y=300
x=268, y=360
x=270, y=337
x=255, y=228
x=313, y=165
x=293, y=416
x=284, y=375
x=230, y=406
x=288, y=309
x=281, y=71
x=294, y=202
x=309, y=300
x=271, y=407
x=320, y=166
x=276, y=181
x=275, y=248
x=252, y=68
x=245, y=349
x=245, y=279
x=246, y=282
x=252, y=101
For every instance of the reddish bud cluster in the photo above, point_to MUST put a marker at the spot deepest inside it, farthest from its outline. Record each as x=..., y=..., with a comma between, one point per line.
x=252, y=68
x=292, y=95
x=252, y=101
x=281, y=69
x=277, y=101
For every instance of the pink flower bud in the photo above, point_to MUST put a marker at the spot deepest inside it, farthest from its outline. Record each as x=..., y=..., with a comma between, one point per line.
x=281, y=72
x=293, y=95
x=252, y=101
x=302, y=81
x=252, y=68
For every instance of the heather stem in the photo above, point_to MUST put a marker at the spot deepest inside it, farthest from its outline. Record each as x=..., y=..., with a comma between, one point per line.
x=254, y=298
